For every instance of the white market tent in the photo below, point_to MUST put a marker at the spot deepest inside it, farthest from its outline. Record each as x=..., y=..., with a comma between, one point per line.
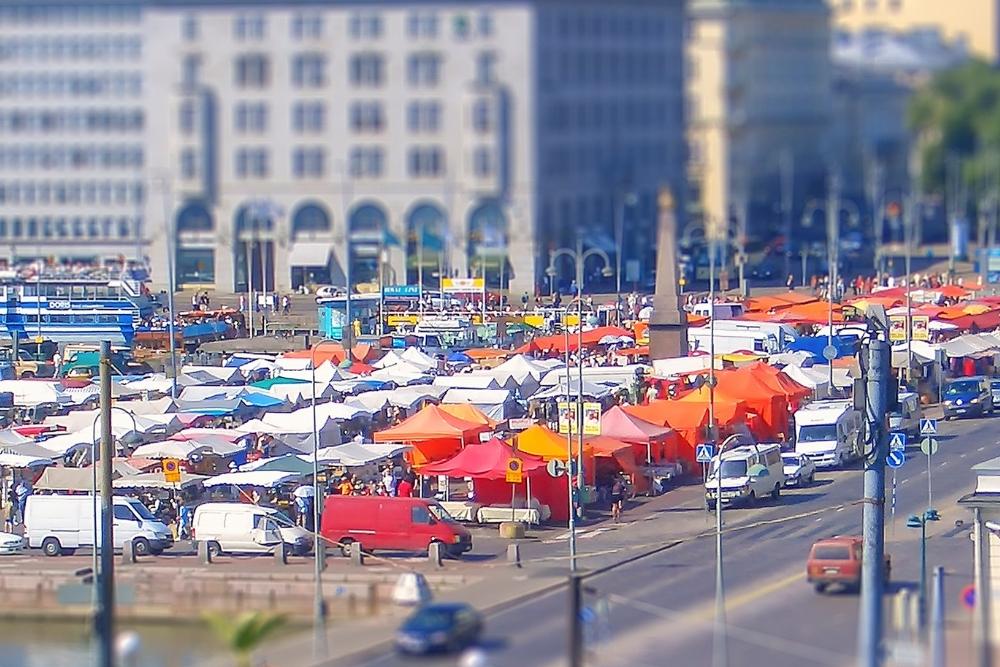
x=617, y=376
x=325, y=373
x=169, y=449
x=354, y=454
x=81, y=395
x=65, y=443
x=497, y=404
x=817, y=380
x=338, y=412
x=12, y=460
x=590, y=389
x=157, y=383
x=9, y=436
x=35, y=392
x=468, y=381
x=223, y=374
x=401, y=374
x=299, y=392
x=674, y=366
x=296, y=434
x=263, y=478
x=155, y=480
x=419, y=358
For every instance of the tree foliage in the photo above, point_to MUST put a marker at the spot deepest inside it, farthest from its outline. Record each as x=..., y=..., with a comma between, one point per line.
x=956, y=116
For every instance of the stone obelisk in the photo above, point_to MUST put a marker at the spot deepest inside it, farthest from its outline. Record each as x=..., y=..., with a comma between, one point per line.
x=668, y=323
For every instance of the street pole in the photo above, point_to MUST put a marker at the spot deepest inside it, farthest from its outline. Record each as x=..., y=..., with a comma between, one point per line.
x=579, y=363
x=980, y=609
x=908, y=242
x=569, y=457
x=922, y=600
x=105, y=580
x=619, y=232
x=250, y=304
x=937, y=620
x=873, y=510
x=720, y=648
x=168, y=221
x=319, y=551
x=786, y=164
x=832, y=243
x=575, y=629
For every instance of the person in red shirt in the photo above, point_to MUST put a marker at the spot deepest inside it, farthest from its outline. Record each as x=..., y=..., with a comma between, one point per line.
x=405, y=488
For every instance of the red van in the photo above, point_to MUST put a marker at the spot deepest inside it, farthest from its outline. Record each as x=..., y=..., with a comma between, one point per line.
x=392, y=524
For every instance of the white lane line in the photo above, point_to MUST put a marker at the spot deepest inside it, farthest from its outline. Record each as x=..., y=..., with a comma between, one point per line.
x=841, y=509
x=905, y=480
x=962, y=455
x=981, y=448
x=942, y=464
x=819, y=519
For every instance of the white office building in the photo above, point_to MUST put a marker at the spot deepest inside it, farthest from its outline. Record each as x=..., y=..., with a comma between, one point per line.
x=72, y=126
x=465, y=137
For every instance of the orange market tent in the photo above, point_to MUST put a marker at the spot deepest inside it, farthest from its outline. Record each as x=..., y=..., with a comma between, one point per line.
x=778, y=301
x=766, y=401
x=434, y=433
x=689, y=417
x=621, y=454
x=649, y=440
x=538, y=440
x=468, y=412
x=557, y=343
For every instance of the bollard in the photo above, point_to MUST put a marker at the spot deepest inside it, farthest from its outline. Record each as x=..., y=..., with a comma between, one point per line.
x=128, y=552
x=512, y=530
x=357, y=557
x=411, y=589
x=514, y=554
x=281, y=554
x=204, y=555
x=435, y=554
x=321, y=554
x=901, y=611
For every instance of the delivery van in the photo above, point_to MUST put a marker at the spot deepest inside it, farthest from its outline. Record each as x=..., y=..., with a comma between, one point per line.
x=60, y=524
x=749, y=473
x=729, y=341
x=392, y=524
x=828, y=432
x=245, y=528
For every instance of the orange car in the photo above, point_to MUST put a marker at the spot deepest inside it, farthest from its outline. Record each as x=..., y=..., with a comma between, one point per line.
x=837, y=561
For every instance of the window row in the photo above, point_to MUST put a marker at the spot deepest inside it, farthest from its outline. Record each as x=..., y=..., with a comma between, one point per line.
x=588, y=158
x=71, y=192
x=595, y=66
x=77, y=85
x=54, y=120
x=75, y=48
x=310, y=70
x=69, y=228
x=71, y=14
x=564, y=116
x=598, y=25
x=70, y=157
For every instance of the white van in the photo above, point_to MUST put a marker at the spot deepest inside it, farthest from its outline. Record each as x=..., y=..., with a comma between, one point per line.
x=906, y=417
x=243, y=528
x=727, y=342
x=60, y=524
x=785, y=334
x=725, y=309
x=749, y=472
x=828, y=432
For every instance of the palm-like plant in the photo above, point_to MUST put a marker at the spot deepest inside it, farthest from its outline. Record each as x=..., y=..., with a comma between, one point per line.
x=243, y=633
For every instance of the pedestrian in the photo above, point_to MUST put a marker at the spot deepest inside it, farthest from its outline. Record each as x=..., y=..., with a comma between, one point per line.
x=57, y=364
x=194, y=301
x=790, y=282
x=345, y=488
x=286, y=304
x=617, y=498
x=243, y=303
x=405, y=487
x=22, y=491
x=524, y=301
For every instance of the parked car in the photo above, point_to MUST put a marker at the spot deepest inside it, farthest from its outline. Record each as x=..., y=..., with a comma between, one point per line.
x=995, y=390
x=968, y=396
x=392, y=524
x=442, y=627
x=799, y=469
x=11, y=543
x=836, y=561
x=60, y=524
x=243, y=528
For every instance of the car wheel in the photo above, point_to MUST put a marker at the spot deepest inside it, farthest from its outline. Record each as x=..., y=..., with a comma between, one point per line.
x=751, y=499
x=820, y=587
x=214, y=549
x=709, y=505
x=51, y=547
x=812, y=478
x=27, y=375
x=776, y=493
x=345, y=547
x=141, y=546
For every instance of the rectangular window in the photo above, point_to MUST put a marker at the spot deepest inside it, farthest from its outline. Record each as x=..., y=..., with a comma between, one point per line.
x=486, y=63
x=422, y=25
x=425, y=161
x=189, y=28
x=423, y=69
x=189, y=164
x=252, y=71
x=366, y=162
x=308, y=117
x=482, y=116
x=365, y=26
x=482, y=162
x=309, y=70
x=485, y=24
x=308, y=162
x=186, y=117
x=252, y=163
x=249, y=27
x=366, y=69
x=423, y=116
x=250, y=117
x=307, y=26
x=190, y=70
x=366, y=116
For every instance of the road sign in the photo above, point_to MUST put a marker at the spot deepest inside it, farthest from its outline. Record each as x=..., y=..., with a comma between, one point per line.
x=897, y=441
x=928, y=427
x=969, y=596
x=514, y=470
x=829, y=352
x=929, y=446
x=704, y=453
x=896, y=458
x=556, y=468
x=171, y=471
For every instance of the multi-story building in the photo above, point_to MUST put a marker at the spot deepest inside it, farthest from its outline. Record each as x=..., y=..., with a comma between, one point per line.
x=758, y=83
x=72, y=130
x=474, y=137
x=972, y=24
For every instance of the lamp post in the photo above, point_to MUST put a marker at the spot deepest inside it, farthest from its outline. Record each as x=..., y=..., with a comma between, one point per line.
x=579, y=257
x=720, y=649
x=627, y=199
x=171, y=228
x=319, y=558
x=920, y=521
x=569, y=459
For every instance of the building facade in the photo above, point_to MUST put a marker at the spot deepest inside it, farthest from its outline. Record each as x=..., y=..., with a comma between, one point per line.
x=391, y=140
x=72, y=131
x=758, y=84
x=975, y=27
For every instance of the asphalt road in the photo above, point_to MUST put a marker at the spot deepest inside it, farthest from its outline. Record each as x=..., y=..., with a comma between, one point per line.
x=659, y=609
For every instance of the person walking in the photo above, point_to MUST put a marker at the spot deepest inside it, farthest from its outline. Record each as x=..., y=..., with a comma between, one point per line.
x=617, y=498
x=790, y=282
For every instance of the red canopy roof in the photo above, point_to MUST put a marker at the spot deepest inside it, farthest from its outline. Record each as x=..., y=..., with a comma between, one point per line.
x=557, y=343
x=431, y=423
x=620, y=425
x=483, y=461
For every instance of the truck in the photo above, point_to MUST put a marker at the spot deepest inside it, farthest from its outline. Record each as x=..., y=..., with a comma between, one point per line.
x=727, y=342
x=829, y=433
x=60, y=524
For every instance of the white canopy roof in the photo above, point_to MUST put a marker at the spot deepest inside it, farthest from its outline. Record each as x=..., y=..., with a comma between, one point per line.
x=170, y=449
x=34, y=392
x=419, y=358
x=335, y=411
x=156, y=382
x=402, y=374
x=292, y=363
x=390, y=358
x=155, y=480
x=468, y=381
x=67, y=442
x=264, y=478
x=325, y=373
x=299, y=391
x=352, y=454
x=9, y=460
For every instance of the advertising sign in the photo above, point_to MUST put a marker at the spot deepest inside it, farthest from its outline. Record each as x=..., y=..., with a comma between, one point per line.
x=591, y=418
x=920, y=326
x=462, y=285
x=897, y=328
x=405, y=292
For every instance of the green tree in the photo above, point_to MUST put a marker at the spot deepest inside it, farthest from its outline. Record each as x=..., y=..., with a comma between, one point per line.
x=956, y=116
x=243, y=633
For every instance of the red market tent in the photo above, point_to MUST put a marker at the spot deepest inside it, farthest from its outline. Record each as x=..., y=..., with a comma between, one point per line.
x=484, y=461
x=649, y=440
x=688, y=416
x=557, y=343
x=434, y=433
x=621, y=457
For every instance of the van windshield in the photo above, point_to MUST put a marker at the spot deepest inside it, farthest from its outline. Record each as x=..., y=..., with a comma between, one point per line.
x=818, y=433
x=141, y=510
x=730, y=468
x=440, y=513
x=961, y=387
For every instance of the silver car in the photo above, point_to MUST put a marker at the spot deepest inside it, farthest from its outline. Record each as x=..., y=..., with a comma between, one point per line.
x=799, y=469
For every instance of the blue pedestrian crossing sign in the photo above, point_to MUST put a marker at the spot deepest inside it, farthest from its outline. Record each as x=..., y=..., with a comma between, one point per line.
x=897, y=441
x=895, y=459
x=928, y=426
x=704, y=453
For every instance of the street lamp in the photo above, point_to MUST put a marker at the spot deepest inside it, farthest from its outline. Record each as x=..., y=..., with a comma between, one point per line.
x=920, y=521
x=720, y=652
x=569, y=459
x=319, y=607
x=579, y=257
x=627, y=199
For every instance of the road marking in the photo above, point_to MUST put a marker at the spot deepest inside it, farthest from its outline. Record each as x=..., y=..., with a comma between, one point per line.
x=707, y=611
x=981, y=448
x=905, y=480
x=818, y=519
x=841, y=509
x=942, y=464
x=962, y=455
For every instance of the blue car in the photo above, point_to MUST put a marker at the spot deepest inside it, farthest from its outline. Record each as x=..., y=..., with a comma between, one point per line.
x=439, y=628
x=967, y=397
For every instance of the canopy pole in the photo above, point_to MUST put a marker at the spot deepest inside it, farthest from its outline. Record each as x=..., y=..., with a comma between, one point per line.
x=528, y=484
x=513, y=491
